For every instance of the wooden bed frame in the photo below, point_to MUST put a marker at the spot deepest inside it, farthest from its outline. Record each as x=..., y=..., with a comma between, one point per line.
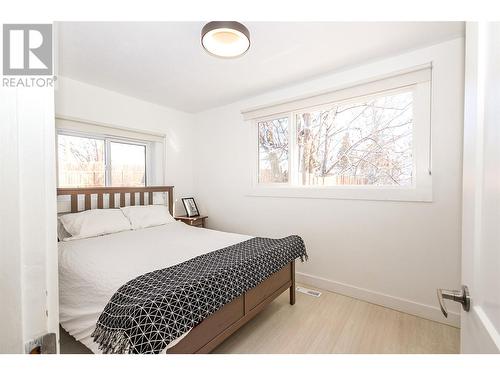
x=212, y=331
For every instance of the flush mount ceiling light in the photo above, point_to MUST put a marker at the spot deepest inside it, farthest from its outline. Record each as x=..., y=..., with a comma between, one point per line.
x=225, y=38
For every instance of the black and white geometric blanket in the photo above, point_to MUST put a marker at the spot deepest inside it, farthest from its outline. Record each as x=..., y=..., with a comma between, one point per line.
x=150, y=311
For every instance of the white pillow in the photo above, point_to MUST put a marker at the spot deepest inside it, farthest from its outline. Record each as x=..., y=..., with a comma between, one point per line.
x=92, y=223
x=61, y=232
x=147, y=216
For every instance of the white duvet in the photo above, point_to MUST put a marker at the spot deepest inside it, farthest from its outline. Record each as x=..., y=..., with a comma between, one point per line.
x=92, y=269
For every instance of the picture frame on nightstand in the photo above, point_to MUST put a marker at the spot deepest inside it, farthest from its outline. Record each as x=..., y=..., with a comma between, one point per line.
x=190, y=207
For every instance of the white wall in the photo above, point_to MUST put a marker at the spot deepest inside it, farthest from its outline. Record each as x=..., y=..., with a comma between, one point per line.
x=79, y=100
x=392, y=253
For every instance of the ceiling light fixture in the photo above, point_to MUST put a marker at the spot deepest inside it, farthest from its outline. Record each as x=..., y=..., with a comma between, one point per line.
x=225, y=38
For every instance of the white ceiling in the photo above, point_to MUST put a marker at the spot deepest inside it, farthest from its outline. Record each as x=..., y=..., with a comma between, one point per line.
x=164, y=63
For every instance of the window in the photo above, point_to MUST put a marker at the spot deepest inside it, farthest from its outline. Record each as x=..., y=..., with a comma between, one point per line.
x=273, y=150
x=93, y=161
x=363, y=142
x=370, y=141
x=80, y=161
x=128, y=164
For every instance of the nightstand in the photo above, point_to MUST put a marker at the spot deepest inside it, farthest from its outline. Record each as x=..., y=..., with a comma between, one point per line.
x=195, y=221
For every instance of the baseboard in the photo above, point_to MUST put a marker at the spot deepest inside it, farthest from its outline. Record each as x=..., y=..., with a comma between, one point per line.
x=395, y=303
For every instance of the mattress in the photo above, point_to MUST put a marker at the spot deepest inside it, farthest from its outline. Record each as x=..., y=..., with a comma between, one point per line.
x=92, y=269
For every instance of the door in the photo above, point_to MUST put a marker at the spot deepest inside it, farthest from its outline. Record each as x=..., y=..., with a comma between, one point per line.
x=480, y=327
x=29, y=311
x=28, y=242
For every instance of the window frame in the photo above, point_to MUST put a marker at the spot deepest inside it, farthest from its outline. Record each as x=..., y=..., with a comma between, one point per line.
x=421, y=188
x=107, y=152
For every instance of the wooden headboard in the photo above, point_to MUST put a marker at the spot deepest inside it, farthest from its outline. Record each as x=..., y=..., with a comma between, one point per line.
x=112, y=191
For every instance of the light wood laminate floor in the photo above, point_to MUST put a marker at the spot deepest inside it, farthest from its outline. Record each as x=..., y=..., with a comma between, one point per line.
x=334, y=323
x=331, y=323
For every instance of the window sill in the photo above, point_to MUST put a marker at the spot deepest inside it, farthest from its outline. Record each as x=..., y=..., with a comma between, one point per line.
x=374, y=193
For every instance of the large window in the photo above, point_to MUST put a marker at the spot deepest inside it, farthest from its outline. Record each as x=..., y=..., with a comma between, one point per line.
x=92, y=161
x=364, y=142
x=273, y=150
x=374, y=137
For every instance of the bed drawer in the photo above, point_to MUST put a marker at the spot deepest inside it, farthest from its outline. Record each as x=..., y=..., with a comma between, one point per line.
x=258, y=294
x=210, y=327
x=215, y=329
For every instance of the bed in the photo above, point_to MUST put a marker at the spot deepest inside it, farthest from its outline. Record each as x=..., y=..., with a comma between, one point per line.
x=92, y=269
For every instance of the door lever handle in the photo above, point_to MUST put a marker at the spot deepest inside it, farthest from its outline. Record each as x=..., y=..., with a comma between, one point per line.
x=461, y=296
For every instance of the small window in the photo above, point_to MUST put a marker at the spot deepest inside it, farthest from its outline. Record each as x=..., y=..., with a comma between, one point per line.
x=128, y=164
x=92, y=161
x=81, y=161
x=273, y=150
